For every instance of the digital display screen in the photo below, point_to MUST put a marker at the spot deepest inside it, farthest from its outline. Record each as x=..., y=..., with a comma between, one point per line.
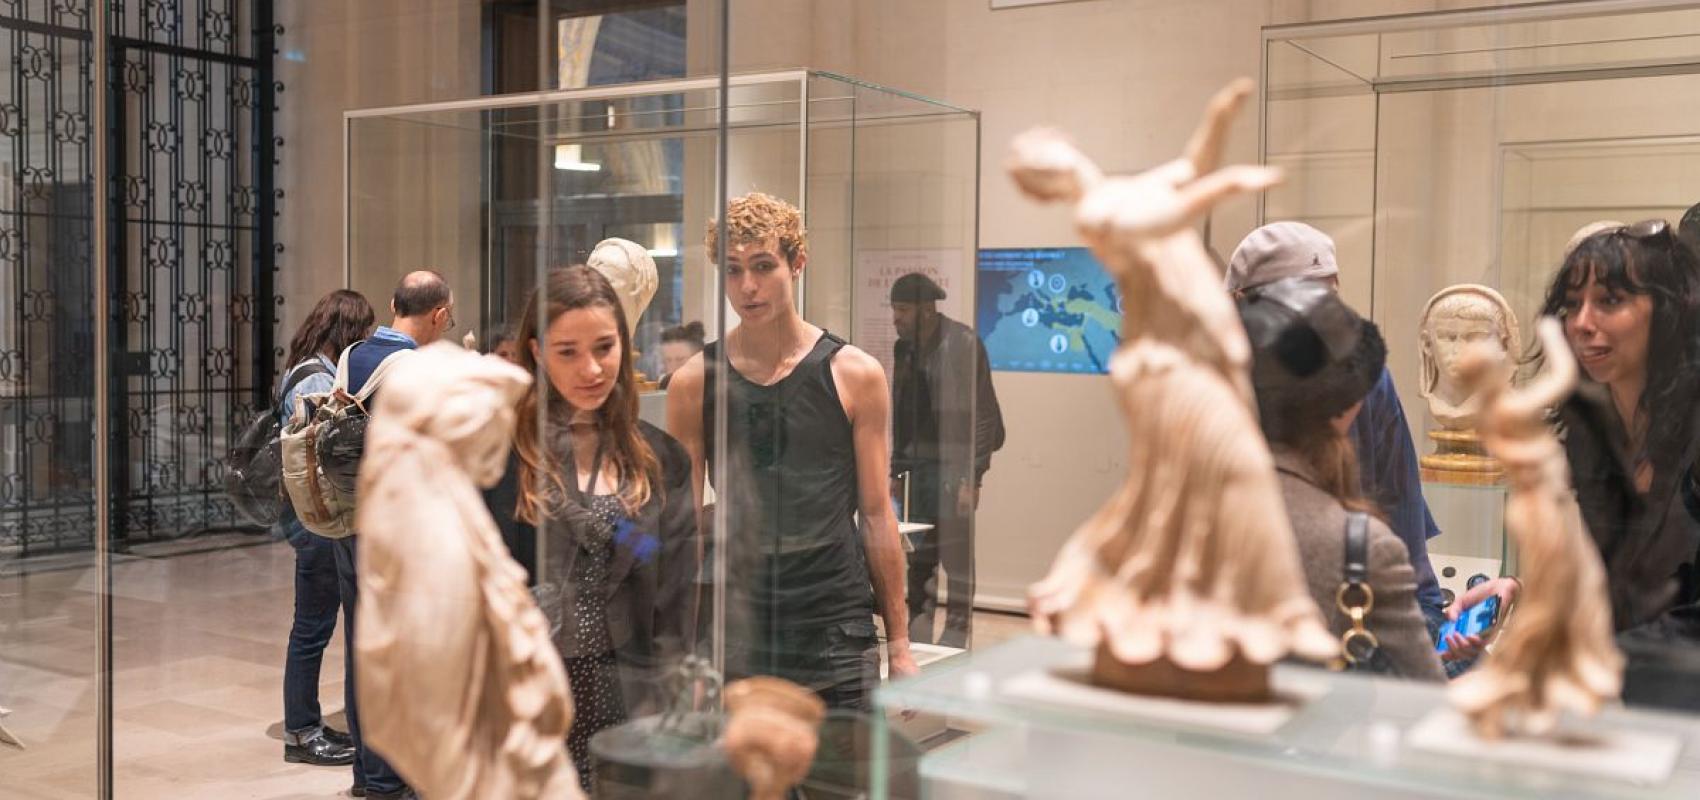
x=1047, y=310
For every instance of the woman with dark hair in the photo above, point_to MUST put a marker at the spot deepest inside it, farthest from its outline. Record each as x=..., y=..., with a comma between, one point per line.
x=611, y=495
x=1313, y=362
x=338, y=320
x=678, y=344
x=1629, y=297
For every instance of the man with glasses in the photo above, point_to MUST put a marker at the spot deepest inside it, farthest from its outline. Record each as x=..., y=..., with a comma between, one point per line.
x=424, y=311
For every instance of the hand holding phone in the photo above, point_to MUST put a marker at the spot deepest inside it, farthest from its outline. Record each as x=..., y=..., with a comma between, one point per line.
x=1473, y=621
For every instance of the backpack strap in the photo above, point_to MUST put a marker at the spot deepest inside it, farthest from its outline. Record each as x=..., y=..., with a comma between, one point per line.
x=377, y=377
x=299, y=373
x=341, y=382
x=339, y=389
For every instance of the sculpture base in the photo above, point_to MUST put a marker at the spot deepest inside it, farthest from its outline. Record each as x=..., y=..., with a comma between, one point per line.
x=1460, y=458
x=1238, y=681
x=1594, y=749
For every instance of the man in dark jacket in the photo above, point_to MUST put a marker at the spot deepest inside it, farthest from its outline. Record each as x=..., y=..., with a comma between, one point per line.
x=945, y=426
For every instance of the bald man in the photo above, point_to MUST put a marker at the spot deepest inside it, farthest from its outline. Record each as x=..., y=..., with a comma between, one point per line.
x=424, y=310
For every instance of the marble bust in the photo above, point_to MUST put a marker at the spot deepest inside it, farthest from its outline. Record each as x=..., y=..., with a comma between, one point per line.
x=1464, y=318
x=1459, y=318
x=628, y=266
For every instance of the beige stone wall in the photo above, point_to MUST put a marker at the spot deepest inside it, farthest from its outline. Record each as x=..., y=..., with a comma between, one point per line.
x=338, y=55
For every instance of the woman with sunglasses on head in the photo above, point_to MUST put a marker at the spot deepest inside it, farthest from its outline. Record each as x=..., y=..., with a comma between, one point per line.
x=1629, y=297
x=611, y=495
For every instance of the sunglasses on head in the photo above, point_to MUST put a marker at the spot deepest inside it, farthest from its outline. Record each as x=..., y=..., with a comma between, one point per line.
x=1646, y=229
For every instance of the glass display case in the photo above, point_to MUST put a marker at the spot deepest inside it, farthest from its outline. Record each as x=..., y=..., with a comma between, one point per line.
x=1042, y=733
x=498, y=192
x=1466, y=148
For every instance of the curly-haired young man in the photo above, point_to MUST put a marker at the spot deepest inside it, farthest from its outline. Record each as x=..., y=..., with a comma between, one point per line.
x=806, y=454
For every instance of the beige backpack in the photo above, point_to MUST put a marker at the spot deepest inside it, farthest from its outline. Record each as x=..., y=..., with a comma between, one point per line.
x=321, y=448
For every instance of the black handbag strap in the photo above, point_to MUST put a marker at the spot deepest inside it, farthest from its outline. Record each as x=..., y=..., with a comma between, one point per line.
x=1359, y=647
x=1357, y=547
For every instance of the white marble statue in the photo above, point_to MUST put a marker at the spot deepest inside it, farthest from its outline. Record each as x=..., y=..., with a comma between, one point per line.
x=459, y=685
x=1187, y=579
x=1459, y=317
x=1557, y=652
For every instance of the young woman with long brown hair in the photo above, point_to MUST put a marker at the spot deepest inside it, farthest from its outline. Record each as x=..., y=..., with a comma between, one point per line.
x=609, y=497
x=338, y=320
x=1313, y=362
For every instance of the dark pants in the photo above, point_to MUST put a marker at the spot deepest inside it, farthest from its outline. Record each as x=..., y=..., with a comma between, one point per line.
x=370, y=769
x=949, y=544
x=317, y=596
x=838, y=661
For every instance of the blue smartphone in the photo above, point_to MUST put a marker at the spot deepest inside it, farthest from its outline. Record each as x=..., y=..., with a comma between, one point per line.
x=1475, y=621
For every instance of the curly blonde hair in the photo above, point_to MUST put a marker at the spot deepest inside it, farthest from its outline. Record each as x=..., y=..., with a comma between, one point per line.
x=757, y=216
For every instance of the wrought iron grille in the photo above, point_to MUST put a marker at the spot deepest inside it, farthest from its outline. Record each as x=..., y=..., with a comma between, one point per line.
x=191, y=154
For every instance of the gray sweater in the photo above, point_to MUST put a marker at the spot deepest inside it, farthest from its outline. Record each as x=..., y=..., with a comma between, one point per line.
x=1319, y=525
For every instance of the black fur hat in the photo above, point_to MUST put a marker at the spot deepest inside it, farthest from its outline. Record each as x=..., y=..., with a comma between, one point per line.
x=1313, y=357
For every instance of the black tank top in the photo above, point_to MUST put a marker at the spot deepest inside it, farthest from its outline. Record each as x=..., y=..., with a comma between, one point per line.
x=790, y=490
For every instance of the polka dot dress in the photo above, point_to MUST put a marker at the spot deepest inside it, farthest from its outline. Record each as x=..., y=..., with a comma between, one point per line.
x=594, y=678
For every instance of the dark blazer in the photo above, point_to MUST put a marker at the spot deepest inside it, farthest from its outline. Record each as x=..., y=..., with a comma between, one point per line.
x=651, y=591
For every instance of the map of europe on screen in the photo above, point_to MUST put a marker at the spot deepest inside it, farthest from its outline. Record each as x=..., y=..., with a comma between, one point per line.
x=1047, y=310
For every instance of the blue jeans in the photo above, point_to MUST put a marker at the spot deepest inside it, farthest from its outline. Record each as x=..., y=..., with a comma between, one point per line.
x=370, y=769
x=317, y=596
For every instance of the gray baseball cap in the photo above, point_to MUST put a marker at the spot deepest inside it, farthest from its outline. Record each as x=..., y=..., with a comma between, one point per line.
x=1281, y=250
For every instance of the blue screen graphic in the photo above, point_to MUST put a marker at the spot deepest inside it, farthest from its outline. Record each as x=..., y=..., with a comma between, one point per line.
x=1047, y=310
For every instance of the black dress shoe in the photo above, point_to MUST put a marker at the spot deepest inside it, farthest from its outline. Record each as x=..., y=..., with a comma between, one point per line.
x=357, y=790
x=319, y=751
x=404, y=793
x=336, y=736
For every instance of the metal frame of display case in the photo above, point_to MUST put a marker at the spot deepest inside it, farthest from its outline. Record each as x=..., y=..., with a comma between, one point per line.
x=800, y=77
x=1436, y=20
x=541, y=99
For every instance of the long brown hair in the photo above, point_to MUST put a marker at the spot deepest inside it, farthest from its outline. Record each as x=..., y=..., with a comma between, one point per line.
x=338, y=320
x=1333, y=462
x=570, y=289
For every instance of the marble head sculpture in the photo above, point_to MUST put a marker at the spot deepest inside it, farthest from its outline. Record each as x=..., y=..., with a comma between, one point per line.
x=1466, y=316
x=1187, y=579
x=629, y=267
x=461, y=689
